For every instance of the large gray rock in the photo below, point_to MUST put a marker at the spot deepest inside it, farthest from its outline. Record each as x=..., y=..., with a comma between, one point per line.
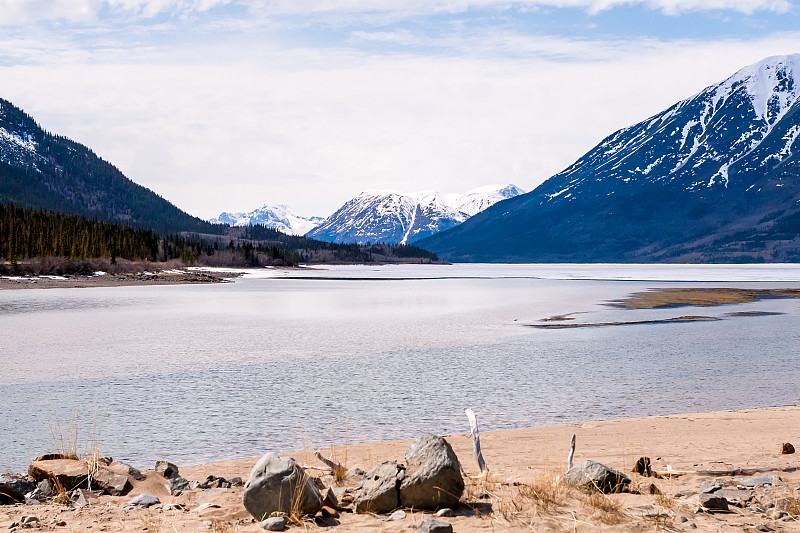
x=429, y=525
x=379, y=491
x=110, y=483
x=772, y=480
x=713, y=501
x=433, y=478
x=14, y=487
x=279, y=484
x=593, y=475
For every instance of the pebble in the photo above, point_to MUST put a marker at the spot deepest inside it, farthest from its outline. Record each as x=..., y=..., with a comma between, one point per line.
x=776, y=514
x=681, y=519
x=397, y=515
x=445, y=512
x=276, y=523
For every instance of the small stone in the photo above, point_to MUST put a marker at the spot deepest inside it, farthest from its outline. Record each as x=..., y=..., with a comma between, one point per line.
x=446, y=512
x=135, y=473
x=166, y=469
x=787, y=448
x=395, y=516
x=276, y=523
x=61, y=523
x=28, y=519
x=681, y=519
x=711, y=485
x=764, y=527
x=236, y=482
x=429, y=525
x=144, y=500
x=329, y=499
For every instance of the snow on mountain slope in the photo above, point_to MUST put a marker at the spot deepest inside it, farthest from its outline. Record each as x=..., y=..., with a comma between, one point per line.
x=279, y=217
x=397, y=217
x=713, y=177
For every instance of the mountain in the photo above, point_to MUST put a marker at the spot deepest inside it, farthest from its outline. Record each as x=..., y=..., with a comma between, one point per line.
x=279, y=217
x=713, y=178
x=395, y=217
x=43, y=171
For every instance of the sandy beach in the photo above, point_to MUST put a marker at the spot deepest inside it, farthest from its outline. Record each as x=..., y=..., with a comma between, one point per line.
x=693, y=447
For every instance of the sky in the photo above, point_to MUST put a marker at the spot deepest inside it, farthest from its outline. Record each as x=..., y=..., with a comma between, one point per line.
x=226, y=105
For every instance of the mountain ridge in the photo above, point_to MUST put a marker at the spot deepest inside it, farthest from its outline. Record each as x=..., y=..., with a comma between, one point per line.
x=397, y=217
x=280, y=217
x=711, y=178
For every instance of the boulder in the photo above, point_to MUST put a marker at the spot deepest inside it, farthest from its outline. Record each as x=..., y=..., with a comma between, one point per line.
x=279, y=484
x=380, y=490
x=166, y=469
x=787, y=448
x=178, y=483
x=712, y=485
x=110, y=483
x=433, y=478
x=14, y=487
x=70, y=473
x=713, y=501
x=593, y=475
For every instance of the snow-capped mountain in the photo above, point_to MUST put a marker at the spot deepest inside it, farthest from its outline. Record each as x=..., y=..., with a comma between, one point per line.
x=396, y=217
x=714, y=177
x=279, y=217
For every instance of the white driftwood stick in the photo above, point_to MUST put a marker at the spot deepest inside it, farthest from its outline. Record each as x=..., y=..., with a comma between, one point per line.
x=320, y=468
x=336, y=467
x=476, y=440
x=571, y=454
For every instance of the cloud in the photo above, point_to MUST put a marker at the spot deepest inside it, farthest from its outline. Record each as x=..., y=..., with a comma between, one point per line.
x=88, y=11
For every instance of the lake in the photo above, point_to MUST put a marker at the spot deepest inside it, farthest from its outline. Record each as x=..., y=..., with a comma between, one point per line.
x=291, y=359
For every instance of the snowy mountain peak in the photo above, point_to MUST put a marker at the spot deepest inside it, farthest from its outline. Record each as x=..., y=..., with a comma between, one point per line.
x=772, y=85
x=392, y=216
x=280, y=217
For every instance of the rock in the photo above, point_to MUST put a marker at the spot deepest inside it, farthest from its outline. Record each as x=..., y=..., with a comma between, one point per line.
x=713, y=501
x=319, y=483
x=46, y=487
x=380, y=492
x=330, y=499
x=433, y=476
x=764, y=527
x=14, y=487
x=344, y=495
x=757, y=481
x=236, y=482
x=177, y=484
x=429, y=525
x=276, y=523
x=395, y=516
x=787, y=448
x=329, y=512
x=127, y=469
x=166, y=469
x=712, y=485
x=279, y=484
x=28, y=520
x=642, y=467
x=355, y=474
x=735, y=497
x=70, y=473
x=81, y=497
x=680, y=519
x=35, y=496
x=144, y=500
x=110, y=483
x=446, y=512
x=590, y=474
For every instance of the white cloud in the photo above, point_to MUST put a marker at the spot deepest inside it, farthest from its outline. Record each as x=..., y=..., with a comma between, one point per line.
x=86, y=11
x=225, y=128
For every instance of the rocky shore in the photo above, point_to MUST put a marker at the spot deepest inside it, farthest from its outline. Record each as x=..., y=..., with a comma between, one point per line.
x=700, y=472
x=168, y=277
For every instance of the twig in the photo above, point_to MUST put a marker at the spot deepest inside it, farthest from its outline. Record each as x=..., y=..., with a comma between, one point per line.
x=335, y=467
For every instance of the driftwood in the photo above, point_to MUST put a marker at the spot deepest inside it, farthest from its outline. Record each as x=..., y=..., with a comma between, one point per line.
x=476, y=440
x=337, y=469
x=571, y=454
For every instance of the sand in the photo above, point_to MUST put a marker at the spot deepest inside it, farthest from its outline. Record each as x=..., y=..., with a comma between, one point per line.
x=697, y=447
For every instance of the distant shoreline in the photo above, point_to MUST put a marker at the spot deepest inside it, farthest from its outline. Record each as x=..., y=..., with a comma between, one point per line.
x=130, y=279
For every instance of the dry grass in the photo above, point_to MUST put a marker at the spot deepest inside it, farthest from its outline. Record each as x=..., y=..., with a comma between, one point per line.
x=547, y=492
x=607, y=508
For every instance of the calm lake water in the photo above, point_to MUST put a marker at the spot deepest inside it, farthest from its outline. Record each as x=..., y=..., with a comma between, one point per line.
x=282, y=360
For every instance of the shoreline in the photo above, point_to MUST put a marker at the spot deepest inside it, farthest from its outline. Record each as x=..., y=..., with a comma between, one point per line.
x=128, y=279
x=695, y=447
